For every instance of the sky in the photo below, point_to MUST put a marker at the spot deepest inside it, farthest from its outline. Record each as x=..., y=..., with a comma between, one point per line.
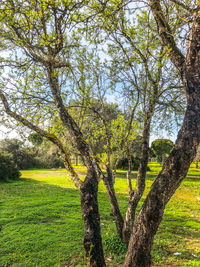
x=7, y=133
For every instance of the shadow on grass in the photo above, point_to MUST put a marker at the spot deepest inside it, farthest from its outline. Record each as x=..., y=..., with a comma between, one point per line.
x=42, y=224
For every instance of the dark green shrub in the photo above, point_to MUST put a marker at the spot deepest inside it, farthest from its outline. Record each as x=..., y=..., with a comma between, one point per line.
x=8, y=169
x=32, y=157
x=28, y=161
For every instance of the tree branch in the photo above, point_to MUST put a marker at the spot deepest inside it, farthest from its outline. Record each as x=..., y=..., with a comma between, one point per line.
x=51, y=137
x=179, y=3
x=167, y=37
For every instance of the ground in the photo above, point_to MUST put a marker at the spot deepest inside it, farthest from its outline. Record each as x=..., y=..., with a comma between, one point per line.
x=42, y=225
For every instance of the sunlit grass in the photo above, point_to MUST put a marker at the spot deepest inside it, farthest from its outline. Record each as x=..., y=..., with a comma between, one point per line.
x=42, y=224
x=156, y=167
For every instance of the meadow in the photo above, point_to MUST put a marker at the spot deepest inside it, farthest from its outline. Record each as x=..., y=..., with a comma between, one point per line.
x=42, y=226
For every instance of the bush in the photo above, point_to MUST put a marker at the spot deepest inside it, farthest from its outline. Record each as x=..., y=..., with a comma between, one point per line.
x=8, y=169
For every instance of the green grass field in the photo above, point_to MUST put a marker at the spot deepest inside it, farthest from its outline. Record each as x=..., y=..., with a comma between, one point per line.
x=156, y=167
x=42, y=225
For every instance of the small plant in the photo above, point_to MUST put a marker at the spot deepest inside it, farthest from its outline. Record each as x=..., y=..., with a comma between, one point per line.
x=8, y=169
x=113, y=244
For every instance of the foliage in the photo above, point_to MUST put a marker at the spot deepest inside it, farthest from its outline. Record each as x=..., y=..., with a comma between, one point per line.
x=26, y=157
x=93, y=117
x=48, y=161
x=162, y=148
x=35, y=138
x=8, y=168
x=123, y=163
x=22, y=157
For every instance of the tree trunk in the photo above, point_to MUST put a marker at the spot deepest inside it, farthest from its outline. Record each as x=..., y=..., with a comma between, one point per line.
x=76, y=159
x=174, y=170
x=197, y=164
x=115, y=169
x=135, y=196
x=89, y=189
x=92, y=231
x=130, y=189
x=108, y=182
x=176, y=166
x=119, y=221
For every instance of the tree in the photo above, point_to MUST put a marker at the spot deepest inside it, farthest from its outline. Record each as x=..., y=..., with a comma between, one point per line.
x=44, y=36
x=197, y=158
x=20, y=155
x=8, y=168
x=176, y=166
x=134, y=49
x=162, y=148
x=35, y=139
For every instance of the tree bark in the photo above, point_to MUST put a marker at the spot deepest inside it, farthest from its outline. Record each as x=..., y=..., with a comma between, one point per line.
x=92, y=240
x=197, y=164
x=90, y=213
x=130, y=189
x=176, y=166
x=135, y=196
x=119, y=221
x=108, y=182
x=174, y=170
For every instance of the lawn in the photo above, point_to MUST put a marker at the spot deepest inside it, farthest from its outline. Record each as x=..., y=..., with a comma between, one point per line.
x=42, y=225
x=155, y=167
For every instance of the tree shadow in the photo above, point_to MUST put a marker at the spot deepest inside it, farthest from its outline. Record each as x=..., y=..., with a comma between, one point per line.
x=38, y=217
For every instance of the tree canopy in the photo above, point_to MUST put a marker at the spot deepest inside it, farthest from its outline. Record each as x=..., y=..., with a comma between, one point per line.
x=162, y=148
x=143, y=54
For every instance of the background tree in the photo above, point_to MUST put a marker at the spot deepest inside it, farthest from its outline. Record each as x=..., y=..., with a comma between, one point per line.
x=8, y=168
x=35, y=139
x=21, y=156
x=197, y=158
x=162, y=148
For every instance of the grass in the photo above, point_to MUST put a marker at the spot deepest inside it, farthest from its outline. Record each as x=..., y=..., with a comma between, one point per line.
x=155, y=167
x=42, y=225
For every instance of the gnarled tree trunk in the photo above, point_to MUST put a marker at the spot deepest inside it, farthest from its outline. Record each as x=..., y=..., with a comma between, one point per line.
x=176, y=166
x=89, y=188
x=90, y=213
